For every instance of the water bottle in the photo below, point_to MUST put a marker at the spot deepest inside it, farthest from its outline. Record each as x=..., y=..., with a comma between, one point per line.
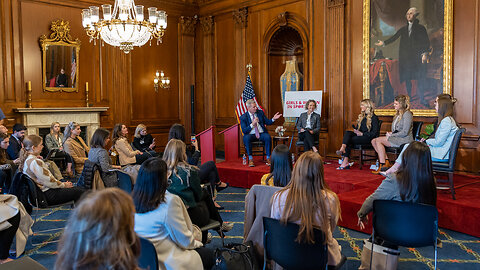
x=293, y=158
x=377, y=164
x=244, y=159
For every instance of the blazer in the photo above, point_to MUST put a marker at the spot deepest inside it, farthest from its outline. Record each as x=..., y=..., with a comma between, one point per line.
x=77, y=151
x=246, y=121
x=51, y=142
x=440, y=145
x=170, y=230
x=143, y=143
x=314, y=122
x=14, y=148
x=402, y=130
x=126, y=154
x=374, y=131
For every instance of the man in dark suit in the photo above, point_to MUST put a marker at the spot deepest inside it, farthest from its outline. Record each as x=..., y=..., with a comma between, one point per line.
x=413, y=50
x=16, y=139
x=253, y=127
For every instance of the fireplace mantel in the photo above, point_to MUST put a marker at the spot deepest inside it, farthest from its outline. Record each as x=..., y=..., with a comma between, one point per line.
x=35, y=118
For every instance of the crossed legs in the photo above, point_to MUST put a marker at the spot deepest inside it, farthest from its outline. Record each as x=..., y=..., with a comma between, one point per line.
x=379, y=145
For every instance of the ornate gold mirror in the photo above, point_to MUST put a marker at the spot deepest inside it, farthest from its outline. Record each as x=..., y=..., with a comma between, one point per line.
x=60, y=59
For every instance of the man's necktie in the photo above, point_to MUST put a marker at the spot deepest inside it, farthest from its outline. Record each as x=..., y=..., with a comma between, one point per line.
x=257, y=133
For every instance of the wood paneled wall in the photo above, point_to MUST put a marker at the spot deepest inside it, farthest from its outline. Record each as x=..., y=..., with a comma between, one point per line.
x=333, y=63
x=123, y=82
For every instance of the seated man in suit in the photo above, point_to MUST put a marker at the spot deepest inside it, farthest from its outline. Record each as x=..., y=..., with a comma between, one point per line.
x=253, y=127
x=16, y=139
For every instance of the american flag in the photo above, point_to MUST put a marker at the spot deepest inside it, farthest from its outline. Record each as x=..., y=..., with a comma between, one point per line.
x=247, y=94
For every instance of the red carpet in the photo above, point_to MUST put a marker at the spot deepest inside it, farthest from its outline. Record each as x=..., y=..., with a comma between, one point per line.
x=354, y=185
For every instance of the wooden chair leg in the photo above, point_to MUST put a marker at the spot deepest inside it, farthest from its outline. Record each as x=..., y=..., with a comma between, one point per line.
x=450, y=182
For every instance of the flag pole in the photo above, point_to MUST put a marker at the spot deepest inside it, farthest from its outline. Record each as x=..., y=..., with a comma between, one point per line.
x=249, y=68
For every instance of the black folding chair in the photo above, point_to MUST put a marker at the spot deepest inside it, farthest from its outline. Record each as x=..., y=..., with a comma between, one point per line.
x=405, y=224
x=148, y=255
x=280, y=245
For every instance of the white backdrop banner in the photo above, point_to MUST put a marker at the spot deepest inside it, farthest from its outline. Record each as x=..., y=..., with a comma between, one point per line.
x=295, y=102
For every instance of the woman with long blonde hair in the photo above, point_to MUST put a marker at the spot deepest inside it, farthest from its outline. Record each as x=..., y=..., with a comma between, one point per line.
x=366, y=129
x=185, y=182
x=401, y=132
x=308, y=201
x=100, y=226
x=144, y=141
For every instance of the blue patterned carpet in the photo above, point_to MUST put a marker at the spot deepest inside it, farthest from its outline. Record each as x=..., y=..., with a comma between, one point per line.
x=459, y=251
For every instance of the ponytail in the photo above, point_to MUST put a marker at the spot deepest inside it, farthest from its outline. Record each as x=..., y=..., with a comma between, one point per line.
x=68, y=130
x=28, y=143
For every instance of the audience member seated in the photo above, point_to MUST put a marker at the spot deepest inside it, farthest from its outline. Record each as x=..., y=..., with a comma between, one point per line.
x=98, y=154
x=7, y=167
x=401, y=132
x=366, y=129
x=11, y=212
x=308, y=201
x=16, y=141
x=308, y=126
x=162, y=218
x=281, y=168
x=3, y=129
x=208, y=170
x=54, y=142
x=253, y=127
x=126, y=154
x=184, y=181
x=143, y=141
x=55, y=191
x=413, y=182
x=446, y=129
x=99, y=234
x=75, y=146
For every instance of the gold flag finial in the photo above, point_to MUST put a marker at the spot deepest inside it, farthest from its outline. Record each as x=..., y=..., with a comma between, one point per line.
x=249, y=68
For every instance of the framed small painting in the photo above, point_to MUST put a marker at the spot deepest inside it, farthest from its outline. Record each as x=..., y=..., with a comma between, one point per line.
x=407, y=50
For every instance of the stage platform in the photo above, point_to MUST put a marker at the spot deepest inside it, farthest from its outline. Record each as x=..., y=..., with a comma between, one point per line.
x=354, y=185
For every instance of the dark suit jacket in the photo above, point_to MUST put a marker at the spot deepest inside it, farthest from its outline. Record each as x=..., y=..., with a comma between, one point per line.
x=14, y=148
x=411, y=49
x=374, y=131
x=314, y=122
x=245, y=121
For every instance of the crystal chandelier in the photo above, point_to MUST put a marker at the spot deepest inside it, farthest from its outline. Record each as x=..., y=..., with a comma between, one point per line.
x=125, y=26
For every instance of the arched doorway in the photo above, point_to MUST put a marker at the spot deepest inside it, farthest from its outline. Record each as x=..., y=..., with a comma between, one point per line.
x=286, y=44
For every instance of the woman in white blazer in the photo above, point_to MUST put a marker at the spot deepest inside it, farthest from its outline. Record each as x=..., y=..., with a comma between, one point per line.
x=163, y=219
x=447, y=127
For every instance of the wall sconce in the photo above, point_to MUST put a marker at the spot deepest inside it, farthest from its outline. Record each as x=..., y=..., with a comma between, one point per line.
x=161, y=81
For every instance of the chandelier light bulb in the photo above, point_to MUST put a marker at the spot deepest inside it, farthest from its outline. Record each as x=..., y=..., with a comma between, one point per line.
x=86, y=18
x=94, y=14
x=139, y=13
x=107, y=12
x=157, y=74
x=155, y=81
x=123, y=15
x=152, y=14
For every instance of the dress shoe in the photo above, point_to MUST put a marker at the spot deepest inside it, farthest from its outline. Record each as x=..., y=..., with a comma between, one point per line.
x=226, y=227
x=219, y=188
x=250, y=163
x=268, y=162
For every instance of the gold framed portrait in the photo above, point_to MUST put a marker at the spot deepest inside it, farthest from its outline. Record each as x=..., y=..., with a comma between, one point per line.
x=407, y=50
x=60, y=59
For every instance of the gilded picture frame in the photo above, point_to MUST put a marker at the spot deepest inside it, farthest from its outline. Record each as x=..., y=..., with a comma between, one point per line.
x=391, y=68
x=60, y=59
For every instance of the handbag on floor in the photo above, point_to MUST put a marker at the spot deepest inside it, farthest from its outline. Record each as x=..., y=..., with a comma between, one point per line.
x=236, y=257
x=384, y=258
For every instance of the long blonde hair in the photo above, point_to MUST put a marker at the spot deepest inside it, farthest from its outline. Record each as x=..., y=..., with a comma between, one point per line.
x=307, y=198
x=28, y=143
x=52, y=126
x=404, y=101
x=175, y=155
x=101, y=225
x=139, y=129
x=368, y=113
